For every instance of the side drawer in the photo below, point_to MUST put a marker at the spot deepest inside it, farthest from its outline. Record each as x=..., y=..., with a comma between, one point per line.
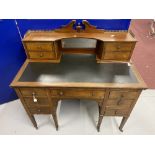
x=42, y=55
x=118, y=51
x=39, y=46
x=119, y=103
x=126, y=94
x=40, y=101
x=114, y=112
x=118, y=46
x=40, y=110
x=117, y=55
x=77, y=93
x=29, y=92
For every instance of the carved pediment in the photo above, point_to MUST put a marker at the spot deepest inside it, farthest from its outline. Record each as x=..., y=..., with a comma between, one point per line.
x=84, y=27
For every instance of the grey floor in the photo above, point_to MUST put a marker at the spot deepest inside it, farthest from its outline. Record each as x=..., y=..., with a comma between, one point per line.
x=79, y=117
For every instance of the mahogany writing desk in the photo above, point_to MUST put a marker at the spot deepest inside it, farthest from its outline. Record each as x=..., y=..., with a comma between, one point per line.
x=76, y=63
x=114, y=86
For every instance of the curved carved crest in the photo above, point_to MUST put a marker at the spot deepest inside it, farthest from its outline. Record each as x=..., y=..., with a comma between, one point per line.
x=87, y=27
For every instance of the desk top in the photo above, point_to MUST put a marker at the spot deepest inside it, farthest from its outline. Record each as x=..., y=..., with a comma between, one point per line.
x=53, y=36
x=78, y=70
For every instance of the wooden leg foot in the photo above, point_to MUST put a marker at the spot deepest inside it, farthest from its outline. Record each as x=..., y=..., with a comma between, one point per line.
x=33, y=121
x=55, y=121
x=123, y=123
x=120, y=129
x=98, y=128
x=99, y=122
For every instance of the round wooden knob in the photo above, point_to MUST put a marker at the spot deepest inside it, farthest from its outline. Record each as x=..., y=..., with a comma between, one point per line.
x=41, y=54
x=118, y=47
x=61, y=93
x=39, y=110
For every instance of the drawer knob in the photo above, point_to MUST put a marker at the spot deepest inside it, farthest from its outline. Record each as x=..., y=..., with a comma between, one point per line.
x=34, y=98
x=39, y=110
x=41, y=54
x=61, y=93
x=120, y=99
x=118, y=47
x=39, y=47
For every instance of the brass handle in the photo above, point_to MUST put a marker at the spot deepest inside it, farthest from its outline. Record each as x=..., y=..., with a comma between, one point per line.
x=34, y=98
x=61, y=93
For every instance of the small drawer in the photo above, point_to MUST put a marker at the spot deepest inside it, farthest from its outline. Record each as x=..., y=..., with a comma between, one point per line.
x=38, y=101
x=126, y=94
x=77, y=93
x=40, y=110
x=33, y=91
x=120, y=56
x=118, y=47
x=42, y=55
x=121, y=112
x=119, y=103
x=114, y=112
x=39, y=46
x=118, y=51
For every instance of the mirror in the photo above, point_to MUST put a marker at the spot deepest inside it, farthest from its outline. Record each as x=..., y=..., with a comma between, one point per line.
x=78, y=43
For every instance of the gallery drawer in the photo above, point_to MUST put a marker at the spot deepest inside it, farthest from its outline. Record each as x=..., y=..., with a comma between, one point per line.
x=39, y=46
x=30, y=92
x=117, y=55
x=79, y=93
x=42, y=55
x=118, y=46
x=120, y=51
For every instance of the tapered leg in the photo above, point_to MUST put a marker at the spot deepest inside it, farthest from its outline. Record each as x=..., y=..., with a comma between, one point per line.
x=55, y=120
x=99, y=122
x=123, y=123
x=33, y=121
x=55, y=104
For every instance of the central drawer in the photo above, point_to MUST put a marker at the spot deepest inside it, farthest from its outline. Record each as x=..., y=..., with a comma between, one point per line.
x=77, y=93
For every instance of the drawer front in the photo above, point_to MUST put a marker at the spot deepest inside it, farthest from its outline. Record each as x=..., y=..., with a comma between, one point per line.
x=39, y=46
x=77, y=93
x=40, y=101
x=42, y=55
x=117, y=55
x=126, y=94
x=118, y=51
x=115, y=47
x=33, y=91
x=119, y=103
x=114, y=112
x=40, y=110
